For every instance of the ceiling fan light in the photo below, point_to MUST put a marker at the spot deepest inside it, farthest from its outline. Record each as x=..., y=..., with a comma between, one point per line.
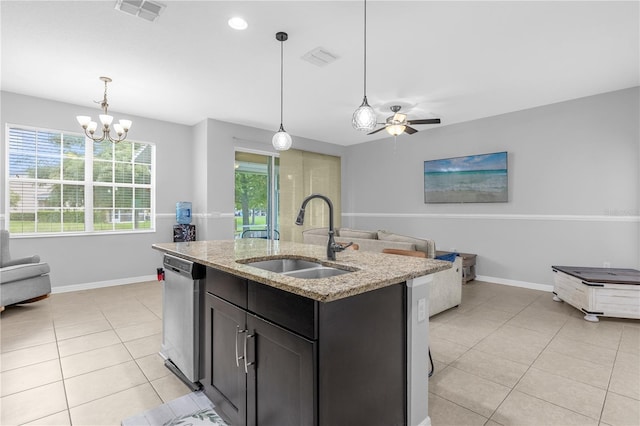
x=364, y=118
x=396, y=129
x=281, y=140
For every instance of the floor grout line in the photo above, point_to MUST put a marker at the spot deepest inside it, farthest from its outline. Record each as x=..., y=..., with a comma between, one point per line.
x=136, y=294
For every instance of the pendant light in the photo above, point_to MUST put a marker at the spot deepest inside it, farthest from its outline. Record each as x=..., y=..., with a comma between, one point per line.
x=281, y=140
x=364, y=118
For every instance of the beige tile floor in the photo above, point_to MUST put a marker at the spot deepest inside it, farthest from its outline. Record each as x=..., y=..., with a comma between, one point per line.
x=84, y=358
x=506, y=356
x=512, y=356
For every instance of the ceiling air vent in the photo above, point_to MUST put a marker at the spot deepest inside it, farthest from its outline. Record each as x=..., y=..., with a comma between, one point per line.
x=145, y=9
x=319, y=56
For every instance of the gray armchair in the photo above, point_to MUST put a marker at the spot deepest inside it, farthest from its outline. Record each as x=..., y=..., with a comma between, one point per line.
x=23, y=280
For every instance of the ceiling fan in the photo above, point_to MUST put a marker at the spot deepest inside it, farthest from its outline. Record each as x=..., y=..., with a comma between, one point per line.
x=398, y=123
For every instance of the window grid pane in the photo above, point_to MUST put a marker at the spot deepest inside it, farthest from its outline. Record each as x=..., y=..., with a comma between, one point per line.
x=47, y=187
x=102, y=171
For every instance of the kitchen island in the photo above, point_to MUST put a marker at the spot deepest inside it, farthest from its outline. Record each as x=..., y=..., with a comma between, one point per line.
x=345, y=349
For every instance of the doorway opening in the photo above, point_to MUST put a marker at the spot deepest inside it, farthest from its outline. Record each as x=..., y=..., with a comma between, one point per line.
x=257, y=187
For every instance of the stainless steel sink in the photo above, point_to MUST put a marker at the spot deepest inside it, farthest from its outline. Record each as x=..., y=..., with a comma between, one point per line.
x=298, y=268
x=318, y=272
x=284, y=265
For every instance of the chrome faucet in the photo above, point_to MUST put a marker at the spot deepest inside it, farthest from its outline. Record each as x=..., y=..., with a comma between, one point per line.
x=332, y=246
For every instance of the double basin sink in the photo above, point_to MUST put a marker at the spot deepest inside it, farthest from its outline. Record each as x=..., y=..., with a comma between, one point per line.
x=298, y=268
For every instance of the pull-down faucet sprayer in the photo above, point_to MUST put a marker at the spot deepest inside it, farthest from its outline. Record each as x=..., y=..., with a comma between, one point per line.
x=332, y=247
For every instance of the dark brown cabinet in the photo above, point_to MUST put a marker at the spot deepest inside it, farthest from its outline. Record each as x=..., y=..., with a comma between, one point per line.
x=281, y=376
x=225, y=381
x=257, y=373
x=276, y=358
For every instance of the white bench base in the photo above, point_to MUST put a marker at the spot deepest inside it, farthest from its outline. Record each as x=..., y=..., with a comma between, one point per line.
x=597, y=299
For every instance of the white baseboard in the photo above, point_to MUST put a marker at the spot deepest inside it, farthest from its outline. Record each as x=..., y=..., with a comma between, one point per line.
x=101, y=284
x=516, y=283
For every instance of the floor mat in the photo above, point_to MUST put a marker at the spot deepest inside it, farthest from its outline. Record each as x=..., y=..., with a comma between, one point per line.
x=191, y=409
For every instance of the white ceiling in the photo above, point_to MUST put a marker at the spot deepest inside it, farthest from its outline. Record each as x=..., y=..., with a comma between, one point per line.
x=458, y=61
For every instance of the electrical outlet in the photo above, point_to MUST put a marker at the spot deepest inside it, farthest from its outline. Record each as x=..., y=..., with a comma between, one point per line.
x=422, y=309
x=606, y=264
x=455, y=250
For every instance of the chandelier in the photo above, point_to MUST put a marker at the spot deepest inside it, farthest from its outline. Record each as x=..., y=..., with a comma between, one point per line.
x=121, y=128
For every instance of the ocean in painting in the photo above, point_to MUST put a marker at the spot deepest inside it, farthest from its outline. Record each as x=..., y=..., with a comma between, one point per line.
x=473, y=179
x=481, y=186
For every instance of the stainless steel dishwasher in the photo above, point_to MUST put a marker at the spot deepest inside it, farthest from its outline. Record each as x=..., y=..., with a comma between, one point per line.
x=181, y=331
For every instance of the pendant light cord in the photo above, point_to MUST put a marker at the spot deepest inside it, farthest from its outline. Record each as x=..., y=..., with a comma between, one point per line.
x=281, y=80
x=365, y=48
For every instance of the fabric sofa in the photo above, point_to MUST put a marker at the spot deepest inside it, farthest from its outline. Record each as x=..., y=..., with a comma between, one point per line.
x=446, y=288
x=22, y=280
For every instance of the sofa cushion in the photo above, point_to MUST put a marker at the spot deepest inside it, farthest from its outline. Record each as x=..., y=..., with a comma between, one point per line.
x=427, y=246
x=357, y=233
x=316, y=231
x=368, y=244
x=365, y=244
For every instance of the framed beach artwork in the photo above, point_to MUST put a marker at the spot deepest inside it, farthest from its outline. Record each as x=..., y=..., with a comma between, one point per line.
x=471, y=179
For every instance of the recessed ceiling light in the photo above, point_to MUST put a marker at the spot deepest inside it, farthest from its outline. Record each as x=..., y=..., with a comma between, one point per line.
x=237, y=23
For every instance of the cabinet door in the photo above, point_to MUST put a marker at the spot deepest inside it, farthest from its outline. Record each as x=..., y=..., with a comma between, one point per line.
x=225, y=380
x=281, y=380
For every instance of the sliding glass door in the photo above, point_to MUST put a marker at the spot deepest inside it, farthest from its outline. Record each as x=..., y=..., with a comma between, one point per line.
x=266, y=206
x=256, y=199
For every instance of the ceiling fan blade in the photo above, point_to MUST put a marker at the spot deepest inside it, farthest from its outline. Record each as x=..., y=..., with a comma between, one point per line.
x=409, y=130
x=425, y=121
x=376, y=131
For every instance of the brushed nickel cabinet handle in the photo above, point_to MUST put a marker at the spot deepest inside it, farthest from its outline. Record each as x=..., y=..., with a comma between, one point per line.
x=247, y=364
x=238, y=331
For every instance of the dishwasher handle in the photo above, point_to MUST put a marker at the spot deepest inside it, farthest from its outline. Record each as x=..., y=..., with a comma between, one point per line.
x=183, y=267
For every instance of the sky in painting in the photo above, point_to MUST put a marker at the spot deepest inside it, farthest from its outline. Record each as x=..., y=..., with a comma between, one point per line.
x=495, y=161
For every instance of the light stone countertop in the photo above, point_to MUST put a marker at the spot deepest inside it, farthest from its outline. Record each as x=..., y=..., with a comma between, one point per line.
x=371, y=270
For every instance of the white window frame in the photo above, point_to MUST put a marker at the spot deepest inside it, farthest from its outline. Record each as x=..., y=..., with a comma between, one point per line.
x=89, y=185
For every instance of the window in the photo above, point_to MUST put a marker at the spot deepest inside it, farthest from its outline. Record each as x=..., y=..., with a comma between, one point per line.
x=65, y=183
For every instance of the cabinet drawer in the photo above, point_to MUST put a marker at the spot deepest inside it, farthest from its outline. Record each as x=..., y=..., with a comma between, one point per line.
x=285, y=309
x=228, y=287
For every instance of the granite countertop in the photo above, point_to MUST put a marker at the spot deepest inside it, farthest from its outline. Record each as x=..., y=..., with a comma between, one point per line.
x=371, y=270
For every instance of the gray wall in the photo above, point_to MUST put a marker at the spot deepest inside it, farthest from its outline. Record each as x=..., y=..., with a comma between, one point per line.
x=96, y=258
x=194, y=163
x=573, y=188
x=218, y=173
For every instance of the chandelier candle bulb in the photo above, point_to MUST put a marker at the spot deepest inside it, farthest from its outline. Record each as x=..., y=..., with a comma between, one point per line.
x=106, y=120
x=83, y=120
x=126, y=124
x=118, y=128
